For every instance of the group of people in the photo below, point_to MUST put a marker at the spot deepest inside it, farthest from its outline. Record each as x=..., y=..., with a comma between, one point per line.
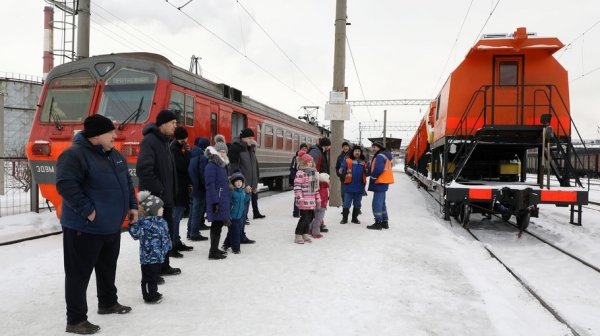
x=98, y=194
x=309, y=174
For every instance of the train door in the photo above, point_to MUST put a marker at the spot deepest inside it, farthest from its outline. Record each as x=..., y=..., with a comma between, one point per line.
x=238, y=123
x=507, y=91
x=214, y=126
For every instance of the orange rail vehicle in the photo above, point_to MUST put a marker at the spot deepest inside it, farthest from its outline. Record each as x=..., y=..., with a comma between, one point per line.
x=130, y=89
x=509, y=97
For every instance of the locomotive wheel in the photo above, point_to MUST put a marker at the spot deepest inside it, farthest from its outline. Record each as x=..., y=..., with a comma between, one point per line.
x=523, y=221
x=465, y=215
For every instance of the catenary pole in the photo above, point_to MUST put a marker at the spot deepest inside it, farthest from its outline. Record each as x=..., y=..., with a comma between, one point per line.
x=83, y=29
x=337, y=110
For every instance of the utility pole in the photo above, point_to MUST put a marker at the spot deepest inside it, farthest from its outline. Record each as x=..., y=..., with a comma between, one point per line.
x=384, y=125
x=83, y=29
x=336, y=109
x=359, y=134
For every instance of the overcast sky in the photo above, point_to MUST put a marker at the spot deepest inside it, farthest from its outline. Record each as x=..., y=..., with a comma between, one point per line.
x=401, y=49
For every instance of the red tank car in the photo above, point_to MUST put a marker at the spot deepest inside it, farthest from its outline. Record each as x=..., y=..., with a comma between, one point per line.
x=508, y=97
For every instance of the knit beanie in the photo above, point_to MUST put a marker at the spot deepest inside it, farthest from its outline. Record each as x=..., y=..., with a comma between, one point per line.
x=220, y=144
x=164, y=117
x=180, y=133
x=304, y=156
x=202, y=143
x=345, y=143
x=324, y=177
x=324, y=142
x=97, y=125
x=150, y=203
x=246, y=133
x=378, y=145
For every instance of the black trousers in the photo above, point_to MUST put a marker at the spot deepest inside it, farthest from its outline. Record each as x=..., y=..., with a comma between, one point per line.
x=306, y=217
x=168, y=216
x=215, y=235
x=84, y=252
x=150, y=273
x=255, y=210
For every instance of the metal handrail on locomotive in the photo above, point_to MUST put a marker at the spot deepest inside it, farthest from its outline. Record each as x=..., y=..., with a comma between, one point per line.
x=509, y=97
x=130, y=89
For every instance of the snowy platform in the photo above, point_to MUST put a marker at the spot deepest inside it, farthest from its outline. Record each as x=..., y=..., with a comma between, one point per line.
x=420, y=277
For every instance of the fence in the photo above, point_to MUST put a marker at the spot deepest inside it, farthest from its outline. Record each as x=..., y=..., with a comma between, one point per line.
x=16, y=193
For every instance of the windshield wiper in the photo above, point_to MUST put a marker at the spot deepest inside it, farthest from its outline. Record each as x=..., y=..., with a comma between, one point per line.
x=54, y=116
x=134, y=115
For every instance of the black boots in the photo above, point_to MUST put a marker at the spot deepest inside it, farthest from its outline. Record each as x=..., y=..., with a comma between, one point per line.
x=345, y=212
x=215, y=253
x=376, y=226
x=82, y=328
x=150, y=293
x=355, y=213
x=384, y=224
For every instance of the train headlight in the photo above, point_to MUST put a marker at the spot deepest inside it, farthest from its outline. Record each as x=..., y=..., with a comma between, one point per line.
x=131, y=148
x=41, y=148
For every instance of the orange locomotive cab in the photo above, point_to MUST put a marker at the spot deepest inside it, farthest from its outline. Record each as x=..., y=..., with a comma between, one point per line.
x=508, y=97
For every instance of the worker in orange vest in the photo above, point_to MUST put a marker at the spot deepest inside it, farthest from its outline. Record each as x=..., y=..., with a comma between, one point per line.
x=379, y=181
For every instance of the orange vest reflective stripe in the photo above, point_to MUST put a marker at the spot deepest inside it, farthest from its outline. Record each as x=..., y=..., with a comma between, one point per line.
x=348, y=177
x=387, y=176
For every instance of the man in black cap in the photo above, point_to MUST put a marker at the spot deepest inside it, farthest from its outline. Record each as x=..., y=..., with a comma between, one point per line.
x=181, y=155
x=379, y=181
x=156, y=170
x=242, y=158
x=97, y=194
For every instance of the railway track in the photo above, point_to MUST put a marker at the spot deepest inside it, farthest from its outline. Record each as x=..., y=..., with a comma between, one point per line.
x=493, y=242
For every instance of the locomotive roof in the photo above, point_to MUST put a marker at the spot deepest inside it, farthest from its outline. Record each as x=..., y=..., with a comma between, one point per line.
x=518, y=41
x=165, y=69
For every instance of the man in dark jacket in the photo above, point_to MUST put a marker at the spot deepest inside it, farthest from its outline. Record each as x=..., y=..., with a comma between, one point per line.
x=242, y=158
x=181, y=155
x=338, y=164
x=156, y=169
x=97, y=191
x=198, y=162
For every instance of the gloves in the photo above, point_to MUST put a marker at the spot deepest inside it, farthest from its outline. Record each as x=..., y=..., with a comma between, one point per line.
x=227, y=222
x=215, y=208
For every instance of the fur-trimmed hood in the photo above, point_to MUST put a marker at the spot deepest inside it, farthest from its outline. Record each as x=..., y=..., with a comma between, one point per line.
x=213, y=156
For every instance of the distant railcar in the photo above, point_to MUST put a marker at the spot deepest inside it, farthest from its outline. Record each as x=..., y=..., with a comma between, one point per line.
x=508, y=96
x=130, y=89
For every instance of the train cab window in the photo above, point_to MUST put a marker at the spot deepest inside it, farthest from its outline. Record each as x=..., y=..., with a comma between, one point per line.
x=295, y=142
x=213, y=126
x=507, y=74
x=177, y=104
x=268, y=136
x=68, y=98
x=437, y=107
x=279, y=139
x=128, y=96
x=189, y=110
x=309, y=141
x=288, y=141
x=238, y=123
x=303, y=139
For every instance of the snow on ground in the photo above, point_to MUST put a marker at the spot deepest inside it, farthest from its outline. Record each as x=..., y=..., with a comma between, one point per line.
x=420, y=277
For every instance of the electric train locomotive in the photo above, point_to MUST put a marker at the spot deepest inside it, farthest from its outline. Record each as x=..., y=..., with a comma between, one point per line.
x=130, y=89
x=507, y=97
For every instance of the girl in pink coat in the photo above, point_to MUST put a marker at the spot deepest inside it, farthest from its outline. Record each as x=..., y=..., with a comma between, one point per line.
x=306, y=192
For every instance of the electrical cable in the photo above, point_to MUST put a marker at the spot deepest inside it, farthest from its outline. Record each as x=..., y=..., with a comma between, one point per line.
x=357, y=76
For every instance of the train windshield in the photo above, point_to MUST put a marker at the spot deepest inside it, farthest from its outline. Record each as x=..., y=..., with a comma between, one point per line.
x=68, y=98
x=128, y=96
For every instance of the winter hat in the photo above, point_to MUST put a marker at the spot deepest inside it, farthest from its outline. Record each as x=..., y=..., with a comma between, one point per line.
x=303, y=145
x=150, y=203
x=324, y=142
x=305, y=157
x=180, y=133
x=246, y=133
x=237, y=176
x=202, y=143
x=345, y=143
x=164, y=117
x=357, y=147
x=97, y=125
x=378, y=144
x=324, y=177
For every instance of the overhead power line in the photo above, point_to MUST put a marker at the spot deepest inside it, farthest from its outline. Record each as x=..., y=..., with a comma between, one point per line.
x=358, y=77
x=388, y=102
x=570, y=44
x=486, y=22
x=281, y=49
x=270, y=74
